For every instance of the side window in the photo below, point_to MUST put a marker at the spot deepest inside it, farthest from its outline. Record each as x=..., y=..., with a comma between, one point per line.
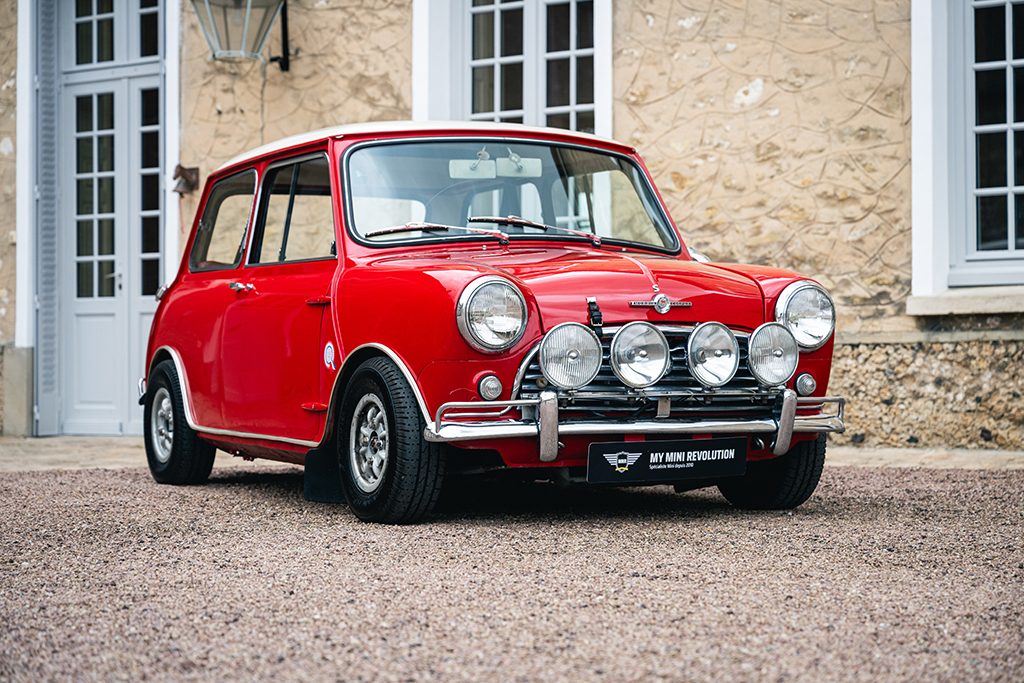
x=220, y=237
x=297, y=217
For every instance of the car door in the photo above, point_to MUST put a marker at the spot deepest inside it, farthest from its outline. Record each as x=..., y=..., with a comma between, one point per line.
x=270, y=350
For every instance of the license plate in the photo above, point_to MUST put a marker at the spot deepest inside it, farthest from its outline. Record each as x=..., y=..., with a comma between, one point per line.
x=635, y=462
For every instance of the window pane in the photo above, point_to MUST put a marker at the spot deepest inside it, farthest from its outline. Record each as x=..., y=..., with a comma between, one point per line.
x=83, y=43
x=558, y=27
x=512, y=119
x=85, y=280
x=483, y=35
x=305, y=229
x=1018, y=202
x=149, y=3
x=512, y=87
x=84, y=242
x=1018, y=31
x=150, y=149
x=585, y=121
x=104, y=6
x=989, y=34
x=990, y=95
x=105, y=153
x=559, y=121
x=105, y=40
x=1018, y=158
x=483, y=89
x=83, y=8
x=585, y=80
x=512, y=32
x=1018, y=94
x=106, y=236
x=150, y=192
x=150, y=235
x=105, y=278
x=992, y=160
x=83, y=155
x=106, y=195
x=150, y=107
x=478, y=3
x=218, y=240
x=84, y=200
x=83, y=115
x=149, y=36
x=585, y=24
x=105, y=111
x=558, y=82
x=991, y=223
x=150, y=276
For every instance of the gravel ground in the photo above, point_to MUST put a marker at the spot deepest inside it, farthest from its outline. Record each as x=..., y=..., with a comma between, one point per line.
x=884, y=575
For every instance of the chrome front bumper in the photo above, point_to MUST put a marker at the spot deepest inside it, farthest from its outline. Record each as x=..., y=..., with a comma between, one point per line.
x=452, y=427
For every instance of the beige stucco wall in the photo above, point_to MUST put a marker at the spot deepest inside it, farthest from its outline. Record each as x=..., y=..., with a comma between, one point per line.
x=351, y=61
x=8, y=102
x=779, y=133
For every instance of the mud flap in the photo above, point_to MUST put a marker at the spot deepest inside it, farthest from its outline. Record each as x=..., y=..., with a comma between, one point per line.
x=321, y=481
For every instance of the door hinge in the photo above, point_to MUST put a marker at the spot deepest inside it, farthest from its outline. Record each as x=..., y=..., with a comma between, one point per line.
x=315, y=407
x=319, y=301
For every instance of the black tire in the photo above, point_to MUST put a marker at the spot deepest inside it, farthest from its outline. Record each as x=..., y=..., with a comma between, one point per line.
x=782, y=483
x=188, y=459
x=406, y=487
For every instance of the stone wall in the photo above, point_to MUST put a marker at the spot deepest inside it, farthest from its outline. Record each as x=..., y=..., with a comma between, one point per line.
x=953, y=394
x=8, y=134
x=779, y=134
x=351, y=61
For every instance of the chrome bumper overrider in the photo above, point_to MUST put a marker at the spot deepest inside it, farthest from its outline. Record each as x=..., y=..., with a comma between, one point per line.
x=449, y=426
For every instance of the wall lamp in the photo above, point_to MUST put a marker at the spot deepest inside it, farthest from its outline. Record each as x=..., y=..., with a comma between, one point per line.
x=238, y=29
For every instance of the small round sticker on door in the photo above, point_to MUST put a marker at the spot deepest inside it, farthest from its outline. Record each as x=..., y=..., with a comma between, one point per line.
x=329, y=356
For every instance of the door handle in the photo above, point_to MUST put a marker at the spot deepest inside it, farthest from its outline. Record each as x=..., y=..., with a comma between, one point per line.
x=116, y=277
x=239, y=287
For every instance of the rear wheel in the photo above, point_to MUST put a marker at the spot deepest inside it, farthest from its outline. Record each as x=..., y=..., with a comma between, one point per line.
x=388, y=471
x=782, y=483
x=175, y=453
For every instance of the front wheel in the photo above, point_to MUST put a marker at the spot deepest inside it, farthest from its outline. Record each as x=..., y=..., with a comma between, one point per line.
x=388, y=471
x=781, y=483
x=175, y=453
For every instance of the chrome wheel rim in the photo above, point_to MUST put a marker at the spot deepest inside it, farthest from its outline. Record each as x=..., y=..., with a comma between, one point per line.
x=368, y=443
x=161, y=425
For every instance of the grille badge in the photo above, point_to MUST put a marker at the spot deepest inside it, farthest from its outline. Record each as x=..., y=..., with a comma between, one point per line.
x=661, y=303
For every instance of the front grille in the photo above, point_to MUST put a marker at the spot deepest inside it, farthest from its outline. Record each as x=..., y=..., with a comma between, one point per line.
x=742, y=394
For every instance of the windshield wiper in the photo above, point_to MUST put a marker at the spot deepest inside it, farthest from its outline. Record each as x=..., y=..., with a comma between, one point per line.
x=526, y=223
x=436, y=227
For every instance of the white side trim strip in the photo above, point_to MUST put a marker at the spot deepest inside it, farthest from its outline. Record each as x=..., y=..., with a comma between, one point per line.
x=25, y=204
x=190, y=416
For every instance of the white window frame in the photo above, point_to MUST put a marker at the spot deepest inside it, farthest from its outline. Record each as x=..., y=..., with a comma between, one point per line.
x=440, y=64
x=943, y=281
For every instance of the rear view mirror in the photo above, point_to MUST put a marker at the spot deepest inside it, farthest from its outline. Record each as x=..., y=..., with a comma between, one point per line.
x=471, y=168
x=519, y=167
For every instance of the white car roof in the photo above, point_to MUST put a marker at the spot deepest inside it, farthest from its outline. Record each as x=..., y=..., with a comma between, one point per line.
x=379, y=127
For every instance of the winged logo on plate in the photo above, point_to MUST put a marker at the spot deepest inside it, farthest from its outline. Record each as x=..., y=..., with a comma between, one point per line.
x=622, y=460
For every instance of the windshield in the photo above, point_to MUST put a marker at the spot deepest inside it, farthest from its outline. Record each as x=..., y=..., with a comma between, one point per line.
x=500, y=189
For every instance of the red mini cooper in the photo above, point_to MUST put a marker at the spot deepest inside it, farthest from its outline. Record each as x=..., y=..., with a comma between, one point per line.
x=390, y=303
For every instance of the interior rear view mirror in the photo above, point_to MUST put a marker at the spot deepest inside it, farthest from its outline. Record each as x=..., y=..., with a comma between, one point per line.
x=519, y=167
x=471, y=168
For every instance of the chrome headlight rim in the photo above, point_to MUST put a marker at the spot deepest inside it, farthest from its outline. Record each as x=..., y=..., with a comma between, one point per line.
x=464, y=305
x=783, y=303
x=615, y=367
x=735, y=349
x=750, y=345
x=543, y=367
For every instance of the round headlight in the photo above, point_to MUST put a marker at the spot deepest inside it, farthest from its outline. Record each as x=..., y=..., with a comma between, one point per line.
x=772, y=354
x=713, y=354
x=807, y=311
x=639, y=355
x=570, y=356
x=491, y=314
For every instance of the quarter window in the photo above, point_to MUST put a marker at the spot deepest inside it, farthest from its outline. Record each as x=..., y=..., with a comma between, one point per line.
x=297, y=215
x=220, y=237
